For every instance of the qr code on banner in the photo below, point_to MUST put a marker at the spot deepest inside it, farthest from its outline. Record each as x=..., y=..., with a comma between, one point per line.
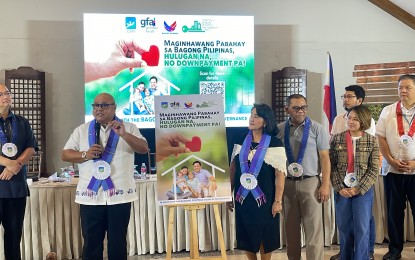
x=212, y=87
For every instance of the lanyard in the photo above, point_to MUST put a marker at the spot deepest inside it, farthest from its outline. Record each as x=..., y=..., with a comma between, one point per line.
x=399, y=121
x=350, y=154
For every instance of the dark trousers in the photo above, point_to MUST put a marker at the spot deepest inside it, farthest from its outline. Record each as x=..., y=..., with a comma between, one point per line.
x=398, y=189
x=11, y=217
x=95, y=221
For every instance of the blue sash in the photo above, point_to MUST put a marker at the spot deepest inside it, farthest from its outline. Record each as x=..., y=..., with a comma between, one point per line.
x=303, y=144
x=107, y=156
x=3, y=138
x=254, y=168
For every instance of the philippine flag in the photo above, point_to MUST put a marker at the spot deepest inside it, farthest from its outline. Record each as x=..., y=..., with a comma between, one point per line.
x=329, y=105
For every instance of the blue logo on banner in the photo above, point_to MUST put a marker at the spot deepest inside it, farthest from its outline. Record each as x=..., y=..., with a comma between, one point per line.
x=130, y=23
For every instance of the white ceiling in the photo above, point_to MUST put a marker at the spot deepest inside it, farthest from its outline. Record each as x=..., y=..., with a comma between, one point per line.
x=407, y=5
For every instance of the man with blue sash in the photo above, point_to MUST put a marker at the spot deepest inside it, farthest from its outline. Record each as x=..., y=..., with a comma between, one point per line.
x=104, y=150
x=307, y=148
x=18, y=145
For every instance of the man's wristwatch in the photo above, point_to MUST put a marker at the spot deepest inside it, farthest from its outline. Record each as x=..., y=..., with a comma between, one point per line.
x=84, y=156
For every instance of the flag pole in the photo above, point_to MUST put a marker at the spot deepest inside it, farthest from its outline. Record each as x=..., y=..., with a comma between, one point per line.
x=329, y=101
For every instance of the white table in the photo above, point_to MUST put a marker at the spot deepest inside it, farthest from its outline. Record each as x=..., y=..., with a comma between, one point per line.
x=52, y=223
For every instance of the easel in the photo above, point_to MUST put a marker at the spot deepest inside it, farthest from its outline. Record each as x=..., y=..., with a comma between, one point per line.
x=194, y=243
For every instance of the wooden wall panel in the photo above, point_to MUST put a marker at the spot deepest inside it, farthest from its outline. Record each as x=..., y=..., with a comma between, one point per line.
x=380, y=80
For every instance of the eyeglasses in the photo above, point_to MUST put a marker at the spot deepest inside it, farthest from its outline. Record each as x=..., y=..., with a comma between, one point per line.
x=6, y=94
x=102, y=106
x=348, y=97
x=297, y=109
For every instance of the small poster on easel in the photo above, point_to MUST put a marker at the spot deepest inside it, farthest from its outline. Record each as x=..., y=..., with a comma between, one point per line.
x=191, y=150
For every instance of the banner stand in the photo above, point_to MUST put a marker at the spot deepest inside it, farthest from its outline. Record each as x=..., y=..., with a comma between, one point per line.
x=194, y=240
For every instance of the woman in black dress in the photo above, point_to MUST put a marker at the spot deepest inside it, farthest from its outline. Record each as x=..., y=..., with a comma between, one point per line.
x=257, y=175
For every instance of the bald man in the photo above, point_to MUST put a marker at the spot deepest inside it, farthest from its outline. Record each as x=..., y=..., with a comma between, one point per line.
x=104, y=150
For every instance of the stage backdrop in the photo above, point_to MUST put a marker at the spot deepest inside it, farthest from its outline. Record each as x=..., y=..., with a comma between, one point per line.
x=175, y=55
x=199, y=119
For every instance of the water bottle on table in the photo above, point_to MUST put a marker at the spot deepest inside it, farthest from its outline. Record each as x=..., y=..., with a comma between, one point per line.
x=137, y=175
x=143, y=171
x=64, y=175
x=71, y=172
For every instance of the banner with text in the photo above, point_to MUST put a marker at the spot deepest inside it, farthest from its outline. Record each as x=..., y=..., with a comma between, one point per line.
x=191, y=150
x=135, y=57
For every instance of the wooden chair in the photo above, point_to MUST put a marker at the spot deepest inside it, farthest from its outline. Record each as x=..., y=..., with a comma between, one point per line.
x=28, y=88
x=34, y=168
x=286, y=82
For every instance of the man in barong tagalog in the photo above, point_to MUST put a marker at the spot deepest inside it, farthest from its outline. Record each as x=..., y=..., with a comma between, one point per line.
x=104, y=150
x=257, y=175
x=307, y=147
x=395, y=131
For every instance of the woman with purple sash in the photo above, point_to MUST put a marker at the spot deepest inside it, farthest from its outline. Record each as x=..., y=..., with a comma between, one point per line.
x=257, y=173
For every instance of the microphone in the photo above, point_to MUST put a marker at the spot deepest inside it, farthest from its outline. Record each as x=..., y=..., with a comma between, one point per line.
x=97, y=131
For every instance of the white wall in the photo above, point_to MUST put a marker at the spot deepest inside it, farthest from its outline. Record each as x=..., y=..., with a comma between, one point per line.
x=47, y=35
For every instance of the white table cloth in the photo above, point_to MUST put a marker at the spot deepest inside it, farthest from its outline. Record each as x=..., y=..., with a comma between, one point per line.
x=52, y=223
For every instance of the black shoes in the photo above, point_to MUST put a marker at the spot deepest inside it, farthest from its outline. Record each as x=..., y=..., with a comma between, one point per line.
x=335, y=257
x=391, y=256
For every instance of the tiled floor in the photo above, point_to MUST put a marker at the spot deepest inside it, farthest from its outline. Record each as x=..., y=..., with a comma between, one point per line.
x=380, y=250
